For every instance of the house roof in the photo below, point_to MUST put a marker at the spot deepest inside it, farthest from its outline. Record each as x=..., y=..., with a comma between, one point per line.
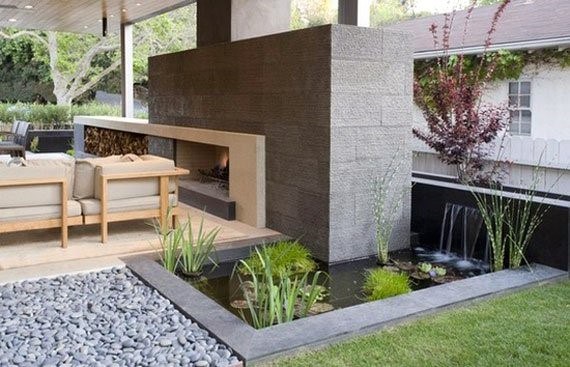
x=525, y=24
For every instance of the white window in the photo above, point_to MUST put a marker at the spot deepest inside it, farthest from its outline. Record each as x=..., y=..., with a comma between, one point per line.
x=519, y=101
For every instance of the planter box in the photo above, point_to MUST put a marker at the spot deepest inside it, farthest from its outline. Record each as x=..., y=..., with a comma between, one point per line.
x=52, y=141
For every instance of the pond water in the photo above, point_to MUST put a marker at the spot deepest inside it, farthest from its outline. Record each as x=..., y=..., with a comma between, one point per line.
x=344, y=281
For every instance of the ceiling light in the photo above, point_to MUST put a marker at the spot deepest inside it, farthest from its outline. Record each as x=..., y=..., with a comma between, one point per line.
x=28, y=7
x=12, y=20
x=124, y=10
x=138, y=4
x=112, y=15
x=85, y=26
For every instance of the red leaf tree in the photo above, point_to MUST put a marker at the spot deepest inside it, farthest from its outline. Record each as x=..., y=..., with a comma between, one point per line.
x=460, y=128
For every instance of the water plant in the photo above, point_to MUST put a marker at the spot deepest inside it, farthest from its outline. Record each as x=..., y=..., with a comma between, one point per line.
x=388, y=198
x=197, y=249
x=439, y=271
x=494, y=209
x=424, y=267
x=380, y=283
x=170, y=241
x=275, y=296
x=285, y=257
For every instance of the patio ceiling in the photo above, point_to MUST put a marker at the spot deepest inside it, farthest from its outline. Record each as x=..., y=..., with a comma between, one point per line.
x=81, y=16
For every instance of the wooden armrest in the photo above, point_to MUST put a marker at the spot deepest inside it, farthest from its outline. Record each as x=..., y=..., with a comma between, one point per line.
x=32, y=181
x=122, y=176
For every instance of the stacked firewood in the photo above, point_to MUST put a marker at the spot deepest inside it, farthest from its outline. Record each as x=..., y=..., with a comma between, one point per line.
x=105, y=142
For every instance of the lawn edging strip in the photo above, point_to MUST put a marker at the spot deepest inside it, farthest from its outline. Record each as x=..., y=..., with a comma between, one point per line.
x=257, y=345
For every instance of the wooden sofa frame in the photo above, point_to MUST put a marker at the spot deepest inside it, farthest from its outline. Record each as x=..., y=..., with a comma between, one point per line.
x=64, y=222
x=166, y=216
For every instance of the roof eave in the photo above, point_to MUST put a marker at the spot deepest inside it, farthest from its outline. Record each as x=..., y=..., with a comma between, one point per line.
x=473, y=50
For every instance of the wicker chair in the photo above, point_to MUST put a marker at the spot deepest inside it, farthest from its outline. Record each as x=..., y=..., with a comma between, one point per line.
x=17, y=146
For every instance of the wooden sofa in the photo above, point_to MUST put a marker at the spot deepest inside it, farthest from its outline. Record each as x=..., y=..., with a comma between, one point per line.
x=99, y=190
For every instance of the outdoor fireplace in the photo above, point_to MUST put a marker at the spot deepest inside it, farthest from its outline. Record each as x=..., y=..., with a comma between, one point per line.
x=208, y=184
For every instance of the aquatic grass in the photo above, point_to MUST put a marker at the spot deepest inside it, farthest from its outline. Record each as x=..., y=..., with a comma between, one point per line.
x=381, y=283
x=285, y=257
x=170, y=242
x=494, y=209
x=196, y=250
x=386, y=207
x=273, y=296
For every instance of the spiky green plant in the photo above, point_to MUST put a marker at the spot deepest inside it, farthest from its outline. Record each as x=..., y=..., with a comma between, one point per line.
x=381, y=283
x=494, y=209
x=274, y=296
x=523, y=220
x=170, y=241
x=285, y=257
x=387, y=202
x=197, y=249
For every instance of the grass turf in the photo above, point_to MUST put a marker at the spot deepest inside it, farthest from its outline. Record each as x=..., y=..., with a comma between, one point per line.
x=528, y=328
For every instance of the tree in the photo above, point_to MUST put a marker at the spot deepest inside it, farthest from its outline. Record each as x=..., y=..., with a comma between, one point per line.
x=460, y=126
x=79, y=62
x=312, y=13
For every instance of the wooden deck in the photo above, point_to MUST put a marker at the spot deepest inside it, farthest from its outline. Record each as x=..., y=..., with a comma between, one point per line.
x=32, y=248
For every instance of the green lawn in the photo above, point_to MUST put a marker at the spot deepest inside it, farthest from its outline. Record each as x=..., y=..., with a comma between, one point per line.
x=528, y=328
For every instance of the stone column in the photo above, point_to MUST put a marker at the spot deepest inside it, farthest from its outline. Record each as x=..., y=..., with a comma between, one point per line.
x=232, y=20
x=354, y=12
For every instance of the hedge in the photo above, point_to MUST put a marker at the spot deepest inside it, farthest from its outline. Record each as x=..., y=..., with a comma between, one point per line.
x=50, y=117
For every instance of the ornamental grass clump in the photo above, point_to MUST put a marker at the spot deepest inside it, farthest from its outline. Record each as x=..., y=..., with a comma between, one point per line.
x=275, y=296
x=381, y=283
x=460, y=128
x=388, y=197
x=285, y=257
x=197, y=248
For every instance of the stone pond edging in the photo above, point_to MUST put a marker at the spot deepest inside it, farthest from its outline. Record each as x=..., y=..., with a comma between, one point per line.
x=257, y=345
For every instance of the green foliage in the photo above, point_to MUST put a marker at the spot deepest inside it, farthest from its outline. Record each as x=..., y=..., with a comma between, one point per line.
x=48, y=117
x=306, y=14
x=195, y=250
x=170, y=243
x=439, y=271
x=381, y=283
x=286, y=257
x=424, y=267
x=275, y=299
x=509, y=64
x=386, y=12
x=388, y=197
x=494, y=209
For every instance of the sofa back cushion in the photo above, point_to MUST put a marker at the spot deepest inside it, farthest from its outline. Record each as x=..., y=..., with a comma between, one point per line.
x=133, y=188
x=30, y=195
x=84, y=186
x=67, y=163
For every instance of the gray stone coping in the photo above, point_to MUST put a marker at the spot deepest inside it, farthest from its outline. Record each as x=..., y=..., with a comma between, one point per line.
x=256, y=345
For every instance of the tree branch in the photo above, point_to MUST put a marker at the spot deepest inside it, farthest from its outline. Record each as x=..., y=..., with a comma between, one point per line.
x=73, y=93
x=24, y=34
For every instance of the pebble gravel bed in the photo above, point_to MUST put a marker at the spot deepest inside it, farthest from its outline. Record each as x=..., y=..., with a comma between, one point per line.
x=106, y=318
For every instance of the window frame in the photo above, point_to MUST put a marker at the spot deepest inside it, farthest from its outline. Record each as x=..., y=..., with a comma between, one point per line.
x=517, y=111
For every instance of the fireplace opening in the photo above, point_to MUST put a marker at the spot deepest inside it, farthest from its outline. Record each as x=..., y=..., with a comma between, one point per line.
x=207, y=187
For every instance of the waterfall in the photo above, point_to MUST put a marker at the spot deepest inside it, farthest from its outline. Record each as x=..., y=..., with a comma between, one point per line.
x=469, y=221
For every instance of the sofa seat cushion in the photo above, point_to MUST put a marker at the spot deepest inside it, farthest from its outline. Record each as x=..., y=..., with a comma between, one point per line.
x=93, y=206
x=30, y=195
x=39, y=212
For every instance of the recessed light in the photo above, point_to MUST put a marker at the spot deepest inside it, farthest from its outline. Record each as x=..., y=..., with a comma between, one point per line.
x=99, y=20
x=111, y=16
x=138, y=4
x=12, y=20
x=28, y=7
x=124, y=10
x=85, y=26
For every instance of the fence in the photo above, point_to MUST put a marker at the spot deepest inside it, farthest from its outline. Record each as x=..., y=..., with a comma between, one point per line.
x=525, y=153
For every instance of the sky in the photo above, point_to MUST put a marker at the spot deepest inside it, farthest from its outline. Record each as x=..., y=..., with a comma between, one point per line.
x=439, y=6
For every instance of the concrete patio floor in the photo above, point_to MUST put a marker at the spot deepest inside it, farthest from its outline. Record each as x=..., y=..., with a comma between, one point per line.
x=33, y=248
